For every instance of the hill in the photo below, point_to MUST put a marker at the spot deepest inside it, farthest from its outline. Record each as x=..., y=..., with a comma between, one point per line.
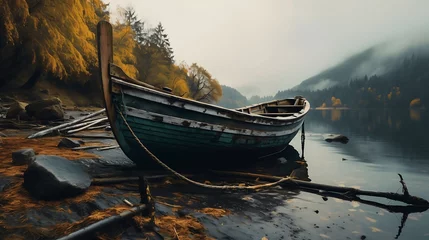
x=231, y=98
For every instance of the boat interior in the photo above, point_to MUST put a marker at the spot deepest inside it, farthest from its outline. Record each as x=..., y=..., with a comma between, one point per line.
x=279, y=108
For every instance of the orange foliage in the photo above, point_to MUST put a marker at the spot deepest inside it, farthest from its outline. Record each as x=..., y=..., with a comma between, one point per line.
x=415, y=102
x=336, y=102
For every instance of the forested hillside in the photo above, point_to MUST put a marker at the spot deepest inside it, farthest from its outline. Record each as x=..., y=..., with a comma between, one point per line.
x=405, y=86
x=52, y=44
x=231, y=98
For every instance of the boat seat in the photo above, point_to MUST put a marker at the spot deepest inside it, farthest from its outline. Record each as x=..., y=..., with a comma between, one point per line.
x=285, y=106
x=276, y=114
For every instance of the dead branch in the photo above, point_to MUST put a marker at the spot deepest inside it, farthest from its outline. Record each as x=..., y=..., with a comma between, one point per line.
x=107, y=148
x=84, y=123
x=50, y=130
x=89, y=147
x=404, y=187
x=91, y=136
x=91, y=230
x=347, y=191
x=87, y=126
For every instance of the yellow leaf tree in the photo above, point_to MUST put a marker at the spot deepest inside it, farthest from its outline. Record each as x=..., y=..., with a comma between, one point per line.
x=202, y=86
x=52, y=37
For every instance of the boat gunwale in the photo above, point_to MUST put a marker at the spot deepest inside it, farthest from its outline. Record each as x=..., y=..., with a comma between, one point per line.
x=295, y=116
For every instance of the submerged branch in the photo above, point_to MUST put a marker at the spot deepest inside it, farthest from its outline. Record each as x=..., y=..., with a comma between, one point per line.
x=346, y=191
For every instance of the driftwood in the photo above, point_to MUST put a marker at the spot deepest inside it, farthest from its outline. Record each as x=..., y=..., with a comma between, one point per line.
x=89, y=231
x=105, y=181
x=89, y=147
x=98, y=127
x=79, y=125
x=347, y=192
x=87, y=126
x=107, y=148
x=50, y=130
x=91, y=136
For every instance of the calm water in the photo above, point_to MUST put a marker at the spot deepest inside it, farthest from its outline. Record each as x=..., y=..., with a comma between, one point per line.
x=382, y=144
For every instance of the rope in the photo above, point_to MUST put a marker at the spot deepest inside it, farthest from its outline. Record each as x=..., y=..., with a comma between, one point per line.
x=224, y=187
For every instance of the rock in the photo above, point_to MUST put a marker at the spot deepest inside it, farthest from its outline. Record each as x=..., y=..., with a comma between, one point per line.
x=183, y=212
x=45, y=91
x=71, y=117
x=4, y=182
x=49, y=109
x=16, y=110
x=325, y=198
x=337, y=138
x=53, y=178
x=68, y=143
x=23, y=156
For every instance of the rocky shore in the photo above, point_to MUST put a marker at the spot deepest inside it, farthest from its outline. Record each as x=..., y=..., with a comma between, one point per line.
x=37, y=204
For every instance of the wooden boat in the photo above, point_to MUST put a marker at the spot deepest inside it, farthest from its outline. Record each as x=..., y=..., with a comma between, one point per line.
x=180, y=130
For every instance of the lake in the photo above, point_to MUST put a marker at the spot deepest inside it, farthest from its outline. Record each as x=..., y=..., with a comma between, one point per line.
x=382, y=144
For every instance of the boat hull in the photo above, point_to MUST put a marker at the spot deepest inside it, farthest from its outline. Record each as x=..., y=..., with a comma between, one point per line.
x=179, y=134
x=182, y=131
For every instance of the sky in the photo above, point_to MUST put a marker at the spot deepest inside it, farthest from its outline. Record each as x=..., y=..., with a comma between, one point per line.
x=262, y=46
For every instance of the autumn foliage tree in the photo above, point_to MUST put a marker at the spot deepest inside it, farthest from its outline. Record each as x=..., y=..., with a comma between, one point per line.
x=202, y=86
x=47, y=36
x=336, y=102
x=56, y=40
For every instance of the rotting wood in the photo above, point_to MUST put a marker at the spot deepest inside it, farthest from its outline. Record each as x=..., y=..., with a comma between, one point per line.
x=346, y=191
x=87, y=126
x=50, y=130
x=91, y=230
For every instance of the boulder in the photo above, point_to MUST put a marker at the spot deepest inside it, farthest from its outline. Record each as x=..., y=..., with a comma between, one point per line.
x=23, y=156
x=49, y=109
x=337, y=138
x=54, y=178
x=16, y=110
x=68, y=143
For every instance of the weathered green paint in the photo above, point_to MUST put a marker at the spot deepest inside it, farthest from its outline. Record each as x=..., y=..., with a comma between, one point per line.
x=181, y=143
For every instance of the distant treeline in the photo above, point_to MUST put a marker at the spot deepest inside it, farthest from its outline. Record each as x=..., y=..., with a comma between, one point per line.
x=405, y=86
x=232, y=98
x=55, y=40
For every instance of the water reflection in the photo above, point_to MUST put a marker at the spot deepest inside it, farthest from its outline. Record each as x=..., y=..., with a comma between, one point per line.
x=382, y=144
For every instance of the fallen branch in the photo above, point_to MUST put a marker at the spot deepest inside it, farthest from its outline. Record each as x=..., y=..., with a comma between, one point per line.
x=79, y=124
x=87, y=126
x=89, y=147
x=98, y=127
x=91, y=136
x=50, y=130
x=104, y=181
x=347, y=191
x=177, y=235
x=89, y=231
x=107, y=148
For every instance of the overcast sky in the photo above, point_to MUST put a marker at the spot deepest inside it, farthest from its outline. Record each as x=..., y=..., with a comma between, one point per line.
x=262, y=46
